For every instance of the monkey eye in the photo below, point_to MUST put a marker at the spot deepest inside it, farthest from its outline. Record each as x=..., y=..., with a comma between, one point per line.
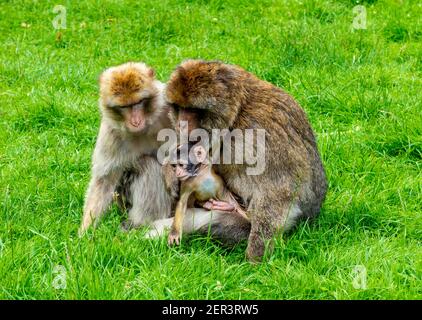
x=147, y=103
x=175, y=107
x=130, y=105
x=118, y=106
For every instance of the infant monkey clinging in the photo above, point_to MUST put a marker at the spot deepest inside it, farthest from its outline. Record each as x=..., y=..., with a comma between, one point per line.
x=199, y=183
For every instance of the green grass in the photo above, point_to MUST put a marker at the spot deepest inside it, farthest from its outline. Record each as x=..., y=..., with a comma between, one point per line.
x=362, y=91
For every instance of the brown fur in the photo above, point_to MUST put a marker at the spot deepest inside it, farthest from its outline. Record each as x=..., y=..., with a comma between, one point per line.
x=126, y=86
x=293, y=184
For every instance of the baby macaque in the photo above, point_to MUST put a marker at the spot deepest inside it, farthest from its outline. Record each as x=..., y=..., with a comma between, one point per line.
x=199, y=184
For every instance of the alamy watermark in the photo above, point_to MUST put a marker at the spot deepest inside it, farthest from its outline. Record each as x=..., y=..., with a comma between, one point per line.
x=1, y=247
x=59, y=21
x=225, y=146
x=359, y=20
x=173, y=50
x=59, y=281
x=359, y=277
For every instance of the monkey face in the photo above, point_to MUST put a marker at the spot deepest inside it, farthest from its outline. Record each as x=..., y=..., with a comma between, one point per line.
x=134, y=116
x=182, y=171
x=187, y=168
x=128, y=95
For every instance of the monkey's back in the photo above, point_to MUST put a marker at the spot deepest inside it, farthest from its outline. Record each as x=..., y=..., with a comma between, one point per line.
x=293, y=163
x=228, y=97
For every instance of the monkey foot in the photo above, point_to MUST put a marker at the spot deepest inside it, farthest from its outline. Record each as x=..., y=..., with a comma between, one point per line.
x=224, y=206
x=218, y=205
x=207, y=205
x=174, y=238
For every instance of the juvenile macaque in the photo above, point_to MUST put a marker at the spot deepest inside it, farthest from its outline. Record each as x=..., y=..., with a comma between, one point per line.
x=293, y=184
x=133, y=110
x=199, y=183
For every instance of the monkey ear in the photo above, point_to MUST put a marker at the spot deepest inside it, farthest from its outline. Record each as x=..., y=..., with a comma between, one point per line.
x=151, y=72
x=200, y=154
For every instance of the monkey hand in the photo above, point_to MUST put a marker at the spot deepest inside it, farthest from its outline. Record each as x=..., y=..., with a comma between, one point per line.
x=207, y=205
x=174, y=238
x=219, y=205
x=225, y=207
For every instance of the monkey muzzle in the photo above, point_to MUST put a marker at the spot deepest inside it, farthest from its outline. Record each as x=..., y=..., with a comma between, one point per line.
x=181, y=173
x=137, y=117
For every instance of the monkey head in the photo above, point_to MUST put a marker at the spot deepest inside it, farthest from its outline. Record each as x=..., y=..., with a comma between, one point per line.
x=188, y=166
x=207, y=94
x=127, y=96
x=184, y=119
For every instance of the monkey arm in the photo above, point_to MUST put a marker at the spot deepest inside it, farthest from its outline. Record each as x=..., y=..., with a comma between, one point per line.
x=98, y=198
x=191, y=202
x=176, y=229
x=171, y=182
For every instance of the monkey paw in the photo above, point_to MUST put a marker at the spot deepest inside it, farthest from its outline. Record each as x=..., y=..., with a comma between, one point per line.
x=174, y=238
x=207, y=205
x=219, y=205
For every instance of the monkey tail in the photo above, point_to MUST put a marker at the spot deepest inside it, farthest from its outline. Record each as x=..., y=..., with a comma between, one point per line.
x=229, y=228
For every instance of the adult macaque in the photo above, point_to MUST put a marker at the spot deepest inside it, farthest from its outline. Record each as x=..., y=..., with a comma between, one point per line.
x=293, y=184
x=133, y=110
x=199, y=183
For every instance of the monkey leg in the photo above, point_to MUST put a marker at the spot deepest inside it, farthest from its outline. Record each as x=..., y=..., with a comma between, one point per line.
x=98, y=198
x=176, y=231
x=159, y=228
x=228, y=228
x=149, y=196
x=225, y=206
x=269, y=217
x=195, y=218
x=219, y=205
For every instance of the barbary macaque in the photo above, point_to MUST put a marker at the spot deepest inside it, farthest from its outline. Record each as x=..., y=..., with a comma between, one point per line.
x=199, y=183
x=133, y=110
x=293, y=183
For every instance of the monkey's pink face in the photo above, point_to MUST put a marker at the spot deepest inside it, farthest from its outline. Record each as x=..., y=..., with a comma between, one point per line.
x=135, y=116
x=181, y=171
x=186, y=168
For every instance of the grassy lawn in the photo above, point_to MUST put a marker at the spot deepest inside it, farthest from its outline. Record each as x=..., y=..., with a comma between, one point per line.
x=362, y=90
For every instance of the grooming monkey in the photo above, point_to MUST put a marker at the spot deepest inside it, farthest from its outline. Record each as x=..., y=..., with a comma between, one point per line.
x=133, y=110
x=293, y=184
x=199, y=183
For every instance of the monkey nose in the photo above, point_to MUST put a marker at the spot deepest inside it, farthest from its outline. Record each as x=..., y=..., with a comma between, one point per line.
x=136, y=123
